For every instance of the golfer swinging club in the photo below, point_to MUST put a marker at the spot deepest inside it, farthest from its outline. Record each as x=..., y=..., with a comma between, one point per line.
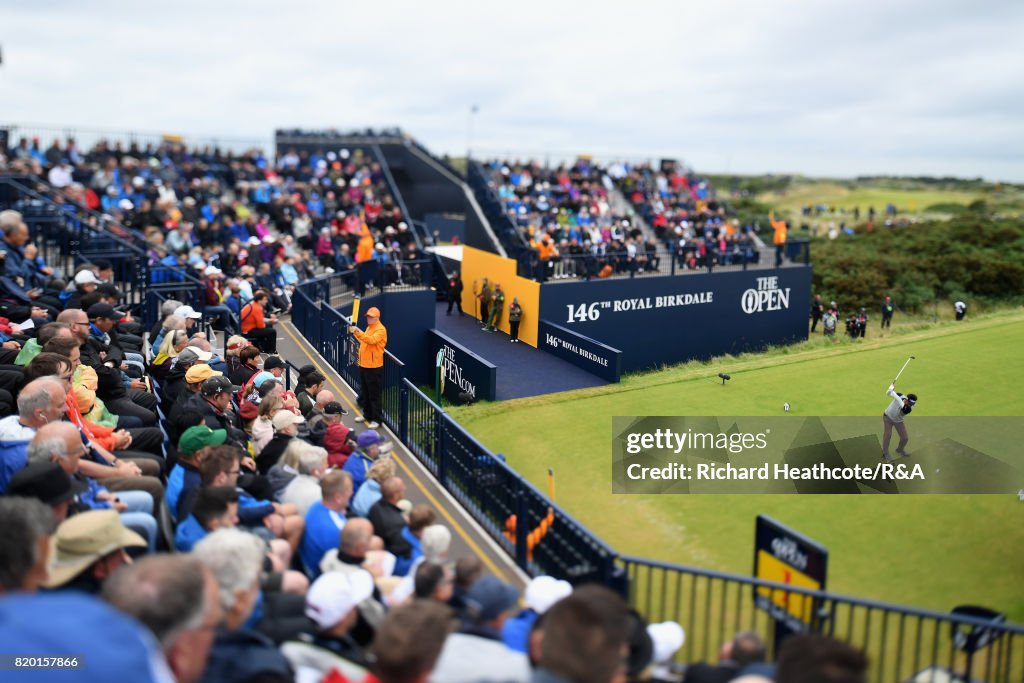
x=893, y=417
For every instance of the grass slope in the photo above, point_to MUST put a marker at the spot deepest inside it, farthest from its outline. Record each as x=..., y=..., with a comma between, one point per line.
x=883, y=547
x=845, y=197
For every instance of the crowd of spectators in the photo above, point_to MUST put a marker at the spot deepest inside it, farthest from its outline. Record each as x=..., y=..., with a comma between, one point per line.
x=686, y=215
x=239, y=221
x=565, y=215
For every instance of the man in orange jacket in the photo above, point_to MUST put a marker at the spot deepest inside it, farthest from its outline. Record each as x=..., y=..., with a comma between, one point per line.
x=371, y=367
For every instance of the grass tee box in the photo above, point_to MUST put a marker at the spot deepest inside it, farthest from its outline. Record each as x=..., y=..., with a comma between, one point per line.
x=883, y=547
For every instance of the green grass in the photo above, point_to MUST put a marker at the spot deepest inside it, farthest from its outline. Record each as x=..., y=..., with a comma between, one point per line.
x=915, y=200
x=845, y=197
x=926, y=551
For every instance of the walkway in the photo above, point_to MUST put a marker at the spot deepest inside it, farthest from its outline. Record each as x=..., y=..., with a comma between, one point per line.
x=522, y=370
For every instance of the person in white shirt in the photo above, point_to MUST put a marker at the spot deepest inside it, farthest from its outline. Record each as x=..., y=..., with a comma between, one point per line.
x=304, y=489
x=60, y=175
x=893, y=417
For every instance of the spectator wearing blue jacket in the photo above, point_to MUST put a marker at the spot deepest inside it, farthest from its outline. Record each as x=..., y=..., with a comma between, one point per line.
x=359, y=463
x=185, y=475
x=420, y=517
x=216, y=507
x=541, y=593
x=369, y=493
x=325, y=520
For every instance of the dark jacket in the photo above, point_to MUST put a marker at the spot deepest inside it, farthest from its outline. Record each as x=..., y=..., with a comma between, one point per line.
x=711, y=673
x=242, y=374
x=91, y=349
x=217, y=420
x=272, y=452
x=172, y=387
x=242, y=656
x=388, y=523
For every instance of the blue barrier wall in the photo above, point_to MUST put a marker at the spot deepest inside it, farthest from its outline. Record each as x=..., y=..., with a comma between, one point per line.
x=661, y=320
x=583, y=352
x=407, y=315
x=446, y=226
x=463, y=370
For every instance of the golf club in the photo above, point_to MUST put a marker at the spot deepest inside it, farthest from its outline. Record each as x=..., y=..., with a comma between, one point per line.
x=903, y=368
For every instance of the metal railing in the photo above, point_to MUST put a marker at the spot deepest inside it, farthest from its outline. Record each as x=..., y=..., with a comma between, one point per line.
x=509, y=235
x=901, y=642
x=86, y=138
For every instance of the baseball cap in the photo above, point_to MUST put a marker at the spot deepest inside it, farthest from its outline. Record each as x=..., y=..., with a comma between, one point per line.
x=200, y=372
x=488, y=598
x=335, y=594
x=187, y=312
x=190, y=354
x=334, y=408
x=118, y=647
x=45, y=481
x=260, y=377
x=253, y=241
x=286, y=418
x=373, y=312
x=103, y=311
x=85, y=538
x=217, y=385
x=544, y=591
x=273, y=362
x=200, y=353
x=667, y=637
x=213, y=270
x=200, y=436
x=368, y=438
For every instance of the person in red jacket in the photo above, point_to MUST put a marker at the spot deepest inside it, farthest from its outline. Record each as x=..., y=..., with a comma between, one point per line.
x=336, y=437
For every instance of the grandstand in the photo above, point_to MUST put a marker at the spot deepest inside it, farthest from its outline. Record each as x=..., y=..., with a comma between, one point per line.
x=178, y=238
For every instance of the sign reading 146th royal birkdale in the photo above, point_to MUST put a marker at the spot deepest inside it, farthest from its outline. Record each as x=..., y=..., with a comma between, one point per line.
x=658, y=320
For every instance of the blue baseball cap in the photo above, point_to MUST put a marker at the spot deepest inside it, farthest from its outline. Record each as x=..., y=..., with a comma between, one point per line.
x=488, y=597
x=368, y=438
x=108, y=644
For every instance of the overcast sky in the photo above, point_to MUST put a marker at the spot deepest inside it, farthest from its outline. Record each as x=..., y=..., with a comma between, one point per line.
x=745, y=86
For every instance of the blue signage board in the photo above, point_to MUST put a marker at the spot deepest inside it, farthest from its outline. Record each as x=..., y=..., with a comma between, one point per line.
x=583, y=352
x=660, y=320
x=465, y=376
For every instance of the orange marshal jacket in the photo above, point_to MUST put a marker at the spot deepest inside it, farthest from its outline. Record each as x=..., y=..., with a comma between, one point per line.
x=371, y=345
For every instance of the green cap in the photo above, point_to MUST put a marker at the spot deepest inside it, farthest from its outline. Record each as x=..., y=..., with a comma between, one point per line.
x=199, y=436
